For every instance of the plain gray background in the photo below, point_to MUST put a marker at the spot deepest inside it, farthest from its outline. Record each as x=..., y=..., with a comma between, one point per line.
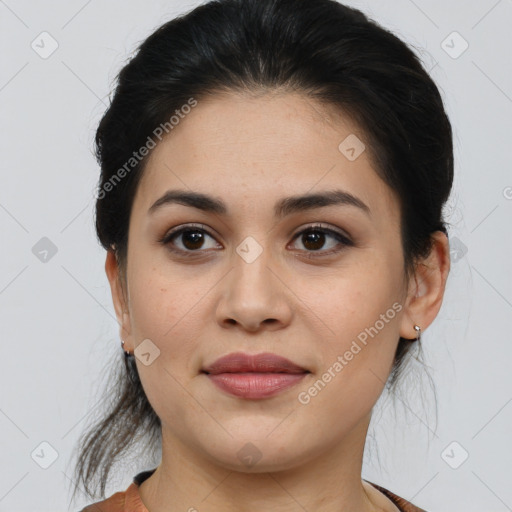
x=59, y=334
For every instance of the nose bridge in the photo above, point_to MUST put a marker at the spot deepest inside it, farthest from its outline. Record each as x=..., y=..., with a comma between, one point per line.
x=252, y=294
x=251, y=274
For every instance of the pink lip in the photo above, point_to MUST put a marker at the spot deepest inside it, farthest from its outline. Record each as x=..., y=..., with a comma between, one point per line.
x=266, y=362
x=259, y=376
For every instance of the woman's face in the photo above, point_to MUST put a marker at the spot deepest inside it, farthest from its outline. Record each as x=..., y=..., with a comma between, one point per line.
x=252, y=279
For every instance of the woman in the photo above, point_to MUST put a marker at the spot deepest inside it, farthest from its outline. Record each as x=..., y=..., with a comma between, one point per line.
x=271, y=193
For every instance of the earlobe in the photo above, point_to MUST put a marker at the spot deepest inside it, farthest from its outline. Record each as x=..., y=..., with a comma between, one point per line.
x=427, y=287
x=119, y=299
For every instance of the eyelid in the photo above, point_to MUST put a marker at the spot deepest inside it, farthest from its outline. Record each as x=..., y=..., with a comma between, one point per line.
x=184, y=227
x=320, y=226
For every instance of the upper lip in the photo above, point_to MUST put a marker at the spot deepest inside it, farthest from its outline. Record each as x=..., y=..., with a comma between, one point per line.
x=265, y=362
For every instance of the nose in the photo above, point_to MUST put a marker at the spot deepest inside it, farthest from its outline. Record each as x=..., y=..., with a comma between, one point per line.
x=254, y=295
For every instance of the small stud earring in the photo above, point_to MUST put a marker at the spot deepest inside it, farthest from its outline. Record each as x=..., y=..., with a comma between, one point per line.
x=417, y=328
x=127, y=353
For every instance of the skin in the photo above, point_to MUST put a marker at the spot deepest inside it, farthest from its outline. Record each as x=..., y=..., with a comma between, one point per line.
x=250, y=152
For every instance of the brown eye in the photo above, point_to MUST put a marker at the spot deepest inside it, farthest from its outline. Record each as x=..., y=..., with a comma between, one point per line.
x=192, y=239
x=315, y=238
x=188, y=239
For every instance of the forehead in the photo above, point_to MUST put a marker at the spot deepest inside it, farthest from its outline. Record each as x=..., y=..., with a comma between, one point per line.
x=250, y=150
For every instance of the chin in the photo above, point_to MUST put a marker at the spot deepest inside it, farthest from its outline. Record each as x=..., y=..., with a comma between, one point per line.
x=260, y=455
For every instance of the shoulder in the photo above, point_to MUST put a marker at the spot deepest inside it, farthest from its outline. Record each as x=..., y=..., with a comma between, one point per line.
x=116, y=503
x=402, y=504
x=128, y=500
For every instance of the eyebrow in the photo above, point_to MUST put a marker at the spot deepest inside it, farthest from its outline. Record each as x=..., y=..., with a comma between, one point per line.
x=285, y=206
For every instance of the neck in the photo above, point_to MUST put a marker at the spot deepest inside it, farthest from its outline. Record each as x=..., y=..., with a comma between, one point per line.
x=326, y=482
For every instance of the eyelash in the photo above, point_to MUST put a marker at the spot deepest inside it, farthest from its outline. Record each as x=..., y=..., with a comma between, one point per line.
x=315, y=228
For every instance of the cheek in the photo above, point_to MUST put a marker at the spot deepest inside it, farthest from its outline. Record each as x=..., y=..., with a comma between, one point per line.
x=161, y=302
x=352, y=298
x=170, y=311
x=359, y=312
x=362, y=313
x=167, y=313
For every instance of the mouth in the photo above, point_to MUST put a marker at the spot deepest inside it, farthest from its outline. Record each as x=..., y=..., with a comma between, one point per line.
x=254, y=377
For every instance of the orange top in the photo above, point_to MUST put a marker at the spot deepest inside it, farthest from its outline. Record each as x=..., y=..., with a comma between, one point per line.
x=130, y=501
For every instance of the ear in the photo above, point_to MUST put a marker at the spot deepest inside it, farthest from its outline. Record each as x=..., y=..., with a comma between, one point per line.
x=119, y=299
x=426, y=288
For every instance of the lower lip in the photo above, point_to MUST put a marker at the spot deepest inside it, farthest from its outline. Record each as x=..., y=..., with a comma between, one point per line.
x=255, y=385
